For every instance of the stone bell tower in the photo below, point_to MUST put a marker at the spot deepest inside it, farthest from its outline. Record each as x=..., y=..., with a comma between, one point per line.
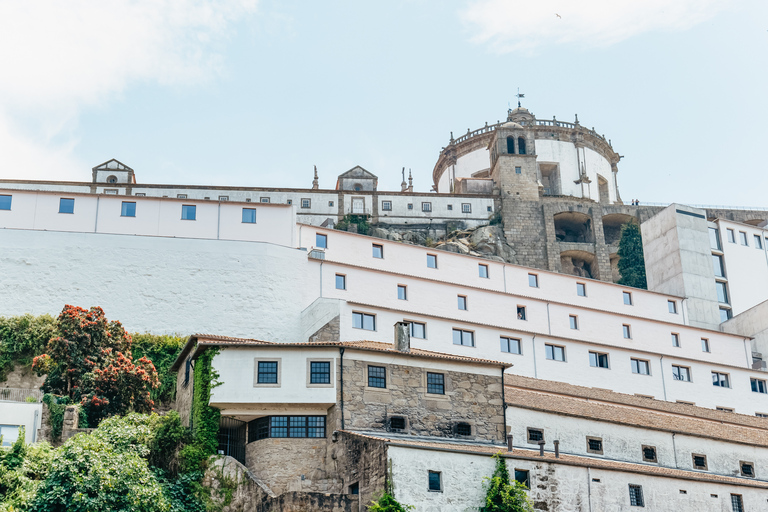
x=515, y=175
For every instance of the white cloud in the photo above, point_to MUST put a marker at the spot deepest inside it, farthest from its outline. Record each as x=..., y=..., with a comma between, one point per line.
x=512, y=25
x=59, y=57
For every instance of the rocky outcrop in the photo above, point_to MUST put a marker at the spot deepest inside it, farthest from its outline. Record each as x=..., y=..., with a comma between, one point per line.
x=484, y=242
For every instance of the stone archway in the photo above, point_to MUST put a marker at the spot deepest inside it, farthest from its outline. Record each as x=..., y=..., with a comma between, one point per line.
x=612, y=226
x=574, y=227
x=579, y=263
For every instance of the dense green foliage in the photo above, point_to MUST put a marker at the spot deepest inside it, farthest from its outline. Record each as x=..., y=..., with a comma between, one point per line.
x=631, y=259
x=162, y=351
x=387, y=503
x=362, y=221
x=122, y=465
x=21, y=339
x=205, y=419
x=503, y=495
x=56, y=406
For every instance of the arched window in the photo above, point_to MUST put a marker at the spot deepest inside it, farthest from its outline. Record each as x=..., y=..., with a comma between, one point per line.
x=358, y=187
x=511, y=145
x=112, y=179
x=521, y=145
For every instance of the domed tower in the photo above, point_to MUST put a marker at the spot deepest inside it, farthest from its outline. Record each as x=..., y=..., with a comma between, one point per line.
x=513, y=157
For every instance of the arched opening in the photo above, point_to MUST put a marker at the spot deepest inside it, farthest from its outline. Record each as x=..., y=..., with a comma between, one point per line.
x=511, y=145
x=602, y=190
x=612, y=226
x=521, y=145
x=112, y=179
x=573, y=227
x=358, y=187
x=550, y=179
x=578, y=263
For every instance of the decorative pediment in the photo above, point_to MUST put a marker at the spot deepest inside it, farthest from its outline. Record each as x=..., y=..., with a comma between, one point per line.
x=112, y=165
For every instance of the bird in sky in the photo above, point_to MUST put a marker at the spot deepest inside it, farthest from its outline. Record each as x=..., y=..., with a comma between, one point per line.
x=558, y=16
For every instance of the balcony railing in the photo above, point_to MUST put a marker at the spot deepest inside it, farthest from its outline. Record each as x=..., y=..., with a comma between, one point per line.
x=20, y=395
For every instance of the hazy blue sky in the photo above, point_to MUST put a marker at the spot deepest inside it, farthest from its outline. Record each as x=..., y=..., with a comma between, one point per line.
x=246, y=92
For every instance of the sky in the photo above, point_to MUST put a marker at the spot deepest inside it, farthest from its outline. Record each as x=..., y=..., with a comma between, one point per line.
x=257, y=92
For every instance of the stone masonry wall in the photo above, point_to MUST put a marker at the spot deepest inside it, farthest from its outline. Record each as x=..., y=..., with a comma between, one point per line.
x=359, y=460
x=470, y=398
x=291, y=464
x=328, y=332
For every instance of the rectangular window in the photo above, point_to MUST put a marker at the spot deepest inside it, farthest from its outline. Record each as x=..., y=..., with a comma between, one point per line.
x=675, y=339
x=386, y=206
x=521, y=313
x=463, y=429
x=736, y=503
x=758, y=242
x=649, y=454
x=181, y=196
x=523, y=476
x=725, y=314
x=5, y=202
x=704, y=345
x=397, y=423
x=418, y=330
x=518, y=170
x=128, y=209
x=288, y=202
x=266, y=200
x=510, y=345
x=110, y=191
x=9, y=434
x=402, y=292
x=627, y=330
x=267, y=373
x=699, y=461
x=319, y=372
x=378, y=251
x=555, y=352
x=535, y=435
x=321, y=241
x=724, y=409
x=720, y=380
x=462, y=300
x=450, y=207
x=431, y=260
x=758, y=386
x=672, y=306
x=743, y=238
x=66, y=205
x=247, y=199
x=489, y=208
x=574, y=321
x=140, y=194
x=410, y=206
x=435, y=482
x=640, y=366
x=636, y=495
x=435, y=383
x=364, y=321
x=761, y=415
x=581, y=289
x=466, y=208
x=533, y=280
x=223, y=198
x=466, y=338
x=598, y=360
x=330, y=203
x=627, y=298
x=306, y=203
x=426, y=207
x=747, y=469
x=482, y=270
x=722, y=292
x=286, y=426
x=249, y=215
x=682, y=373
x=717, y=265
x=188, y=212
x=377, y=377
x=341, y=282
x=595, y=445
x=731, y=235
x=714, y=239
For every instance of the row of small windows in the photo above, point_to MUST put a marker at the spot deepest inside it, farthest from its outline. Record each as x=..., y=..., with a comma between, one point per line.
x=743, y=239
x=286, y=427
x=594, y=445
x=426, y=206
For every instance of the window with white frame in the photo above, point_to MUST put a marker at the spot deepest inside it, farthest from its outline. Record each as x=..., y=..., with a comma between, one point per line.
x=466, y=208
x=223, y=198
x=426, y=207
x=266, y=200
x=306, y=202
x=386, y=206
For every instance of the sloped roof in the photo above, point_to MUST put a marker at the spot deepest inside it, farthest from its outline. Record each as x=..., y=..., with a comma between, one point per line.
x=203, y=340
x=358, y=172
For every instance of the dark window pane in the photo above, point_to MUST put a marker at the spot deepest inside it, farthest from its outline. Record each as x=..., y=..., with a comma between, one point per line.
x=5, y=202
x=435, y=383
x=321, y=241
x=128, y=209
x=377, y=377
x=297, y=426
x=320, y=372
x=278, y=426
x=188, y=212
x=434, y=481
x=66, y=205
x=267, y=372
x=249, y=215
x=522, y=477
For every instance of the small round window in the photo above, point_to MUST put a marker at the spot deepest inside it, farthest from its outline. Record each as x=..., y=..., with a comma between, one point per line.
x=358, y=187
x=112, y=179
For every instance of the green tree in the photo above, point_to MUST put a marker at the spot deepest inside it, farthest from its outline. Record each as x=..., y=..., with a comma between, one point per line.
x=21, y=339
x=387, y=503
x=631, y=260
x=89, y=360
x=503, y=496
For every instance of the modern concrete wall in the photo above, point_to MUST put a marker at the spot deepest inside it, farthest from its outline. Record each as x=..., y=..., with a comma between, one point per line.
x=746, y=266
x=678, y=260
x=27, y=415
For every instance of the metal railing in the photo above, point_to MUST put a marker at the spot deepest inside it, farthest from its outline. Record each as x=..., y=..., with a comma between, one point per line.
x=232, y=438
x=537, y=122
x=20, y=395
x=709, y=206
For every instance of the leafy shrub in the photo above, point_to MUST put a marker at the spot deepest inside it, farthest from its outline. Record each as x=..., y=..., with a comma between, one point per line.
x=21, y=339
x=503, y=496
x=168, y=438
x=90, y=474
x=162, y=351
x=56, y=407
x=19, y=484
x=387, y=503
